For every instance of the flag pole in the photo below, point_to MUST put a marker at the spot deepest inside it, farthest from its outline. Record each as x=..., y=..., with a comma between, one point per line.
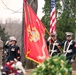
x=49, y=41
x=47, y=31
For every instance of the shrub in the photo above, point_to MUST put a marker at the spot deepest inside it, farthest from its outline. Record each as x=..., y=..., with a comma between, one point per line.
x=56, y=65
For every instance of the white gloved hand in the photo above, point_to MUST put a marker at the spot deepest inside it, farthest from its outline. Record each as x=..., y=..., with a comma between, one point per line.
x=49, y=39
x=72, y=60
x=56, y=44
x=7, y=42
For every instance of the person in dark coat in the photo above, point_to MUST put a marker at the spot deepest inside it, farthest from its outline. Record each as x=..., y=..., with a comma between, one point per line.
x=13, y=49
x=69, y=49
x=52, y=47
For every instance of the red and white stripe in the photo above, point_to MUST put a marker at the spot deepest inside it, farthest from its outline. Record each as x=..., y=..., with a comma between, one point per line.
x=53, y=21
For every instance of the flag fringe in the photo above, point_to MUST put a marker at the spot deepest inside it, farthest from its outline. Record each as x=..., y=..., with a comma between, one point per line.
x=31, y=59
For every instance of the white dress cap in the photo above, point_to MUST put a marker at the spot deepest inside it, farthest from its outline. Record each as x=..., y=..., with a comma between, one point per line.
x=54, y=33
x=69, y=33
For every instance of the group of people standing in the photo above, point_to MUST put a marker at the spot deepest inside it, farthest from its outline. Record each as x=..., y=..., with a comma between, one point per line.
x=69, y=46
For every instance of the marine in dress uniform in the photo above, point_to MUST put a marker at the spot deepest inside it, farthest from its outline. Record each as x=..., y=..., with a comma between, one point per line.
x=13, y=49
x=69, y=49
x=51, y=43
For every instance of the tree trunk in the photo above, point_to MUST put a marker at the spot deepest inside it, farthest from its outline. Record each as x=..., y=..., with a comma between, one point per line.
x=34, y=4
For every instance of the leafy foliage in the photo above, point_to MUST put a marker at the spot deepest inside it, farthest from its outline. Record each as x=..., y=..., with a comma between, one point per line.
x=4, y=36
x=66, y=21
x=56, y=65
x=46, y=10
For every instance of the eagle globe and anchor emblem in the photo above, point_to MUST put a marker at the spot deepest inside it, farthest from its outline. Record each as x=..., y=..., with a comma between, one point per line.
x=33, y=34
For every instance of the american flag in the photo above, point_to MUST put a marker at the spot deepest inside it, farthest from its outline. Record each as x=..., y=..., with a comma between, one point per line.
x=53, y=17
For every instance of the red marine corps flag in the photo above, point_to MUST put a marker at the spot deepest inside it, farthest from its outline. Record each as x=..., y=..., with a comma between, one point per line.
x=34, y=42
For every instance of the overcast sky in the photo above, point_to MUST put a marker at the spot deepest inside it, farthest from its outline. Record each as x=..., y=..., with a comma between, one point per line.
x=6, y=11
